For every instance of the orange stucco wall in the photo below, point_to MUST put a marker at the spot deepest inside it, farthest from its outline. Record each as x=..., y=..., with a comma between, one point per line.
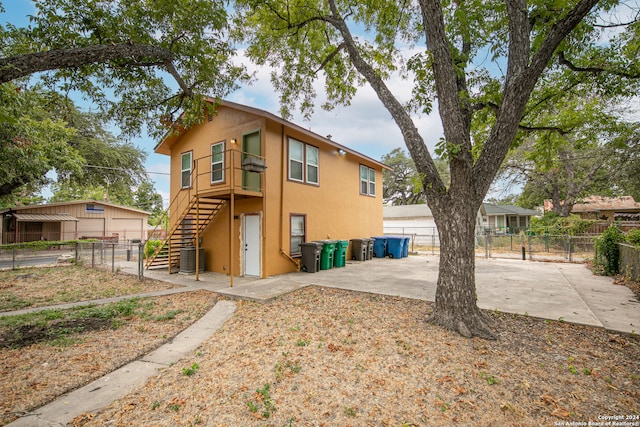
x=334, y=209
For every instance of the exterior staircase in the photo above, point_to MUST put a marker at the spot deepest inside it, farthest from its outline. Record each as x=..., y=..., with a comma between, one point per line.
x=199, y=213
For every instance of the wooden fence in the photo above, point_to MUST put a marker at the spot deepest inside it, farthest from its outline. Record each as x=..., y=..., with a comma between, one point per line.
x=630, y=261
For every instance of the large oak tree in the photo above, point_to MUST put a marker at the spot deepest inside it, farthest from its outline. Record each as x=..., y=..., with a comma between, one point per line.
x=138, y=60
x=139, y=63
x=32, y=142
x=477, y=58
x=41, y=132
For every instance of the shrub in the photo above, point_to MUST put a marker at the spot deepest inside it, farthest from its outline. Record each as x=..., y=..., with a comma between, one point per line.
x=553, y=224
x=633, y=237
x=607, y=250
x=150, y=247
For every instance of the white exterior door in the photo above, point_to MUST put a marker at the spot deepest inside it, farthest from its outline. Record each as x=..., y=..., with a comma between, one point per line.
x=252, y=252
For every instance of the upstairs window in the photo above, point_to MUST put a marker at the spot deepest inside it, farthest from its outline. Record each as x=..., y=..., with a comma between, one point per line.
x=185, y=170
x=312, y=164
x=296, y=160
x=303, y=162
x=367, y=181
x=217, y=163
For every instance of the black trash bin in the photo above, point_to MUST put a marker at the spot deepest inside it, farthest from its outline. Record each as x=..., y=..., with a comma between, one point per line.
x=310, y=256
x=369, y=248
x=359, y=249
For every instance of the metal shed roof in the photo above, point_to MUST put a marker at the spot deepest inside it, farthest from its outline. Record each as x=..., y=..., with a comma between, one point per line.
x=27, y=208
x=27, y=217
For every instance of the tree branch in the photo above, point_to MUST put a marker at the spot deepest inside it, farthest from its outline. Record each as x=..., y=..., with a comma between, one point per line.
x=410, y=133
x=292, y=26
x=445, y=75
x=340, y=47
x=495, y=107
x=519, y=84
x=519, y=37
x=540, y=128
x=595, y=70
x=23, y=65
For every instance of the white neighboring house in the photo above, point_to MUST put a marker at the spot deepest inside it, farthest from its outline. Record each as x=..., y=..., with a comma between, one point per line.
x=505, y=218
x=411, y=220
x=416, y=221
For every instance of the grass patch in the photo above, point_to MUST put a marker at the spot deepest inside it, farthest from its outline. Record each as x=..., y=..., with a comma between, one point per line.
x=58, y=327
x=46, y=286
x=10, y=302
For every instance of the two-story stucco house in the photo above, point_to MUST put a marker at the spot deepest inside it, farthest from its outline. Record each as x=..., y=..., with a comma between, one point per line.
x=249, y=187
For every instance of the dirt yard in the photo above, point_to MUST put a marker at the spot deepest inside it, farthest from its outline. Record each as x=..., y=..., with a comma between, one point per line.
x=41, y=287
x=44, y=356
x=327, y=357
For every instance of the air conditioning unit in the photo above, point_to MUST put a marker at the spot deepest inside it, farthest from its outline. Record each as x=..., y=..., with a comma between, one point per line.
x=188, y=260
x=254, y=164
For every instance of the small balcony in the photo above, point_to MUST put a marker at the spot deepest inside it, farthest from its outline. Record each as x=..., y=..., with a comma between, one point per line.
x=225, y=173
x=207, y=186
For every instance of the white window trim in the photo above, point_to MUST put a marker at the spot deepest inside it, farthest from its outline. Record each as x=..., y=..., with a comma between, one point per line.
x=295, y=160
x=182, y=184
x=218, y=181
x=291, y=235
x=372, y=182
x=367, y=180
x=305, y=164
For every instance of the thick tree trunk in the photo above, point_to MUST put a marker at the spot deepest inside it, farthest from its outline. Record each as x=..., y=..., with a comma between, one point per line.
x=456, y=299
x=455, y=208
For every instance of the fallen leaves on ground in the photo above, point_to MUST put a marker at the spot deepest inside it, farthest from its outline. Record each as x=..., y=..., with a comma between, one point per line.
x=329, y=357
x=38, y=373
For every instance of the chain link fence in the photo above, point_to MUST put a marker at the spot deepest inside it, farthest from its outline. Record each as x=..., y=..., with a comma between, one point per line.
x=537, y=248
x=105, y=255
x=425, y=240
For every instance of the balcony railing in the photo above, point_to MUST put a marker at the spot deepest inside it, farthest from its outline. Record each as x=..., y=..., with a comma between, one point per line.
x=216, y=176
x=221, y=174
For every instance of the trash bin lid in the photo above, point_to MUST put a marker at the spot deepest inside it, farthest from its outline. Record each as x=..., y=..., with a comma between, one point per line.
x=326, y=242
x=308, y=244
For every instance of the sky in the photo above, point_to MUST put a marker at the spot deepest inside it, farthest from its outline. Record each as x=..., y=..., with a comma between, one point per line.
x=364, y=126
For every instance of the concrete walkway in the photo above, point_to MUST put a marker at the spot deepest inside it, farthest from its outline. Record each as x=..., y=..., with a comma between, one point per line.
x=557, y=291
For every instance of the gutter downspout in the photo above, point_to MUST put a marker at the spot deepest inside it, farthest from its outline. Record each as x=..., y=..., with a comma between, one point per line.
x=263, y=228
x=282, y=180
x=232, y=204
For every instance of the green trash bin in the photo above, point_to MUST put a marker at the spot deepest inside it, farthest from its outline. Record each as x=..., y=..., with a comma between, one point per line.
x=326, y=254
x=340, y=254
